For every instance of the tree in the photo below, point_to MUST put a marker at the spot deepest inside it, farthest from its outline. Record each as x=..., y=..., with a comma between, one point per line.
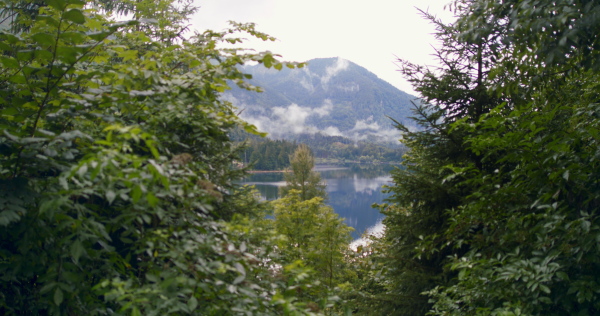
x=298, y=220
x=302, y=177
x=331, y=241
x=424, y=190
x=116, y=177
x=529, y=222
x=315, y=235
x=497, y=198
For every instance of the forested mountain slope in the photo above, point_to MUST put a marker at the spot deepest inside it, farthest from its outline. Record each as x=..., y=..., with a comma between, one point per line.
x=329, y=95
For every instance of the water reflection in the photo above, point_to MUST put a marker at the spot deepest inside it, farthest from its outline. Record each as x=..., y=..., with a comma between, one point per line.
x=351, y=191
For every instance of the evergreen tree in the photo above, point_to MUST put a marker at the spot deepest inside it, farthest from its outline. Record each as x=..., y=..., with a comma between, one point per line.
x=495, y=213
x=423, y=190
x=529, y=222
x=302, y=177
x=315, y=235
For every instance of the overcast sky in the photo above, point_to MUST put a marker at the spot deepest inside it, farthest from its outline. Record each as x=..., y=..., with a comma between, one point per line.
x=370, y=33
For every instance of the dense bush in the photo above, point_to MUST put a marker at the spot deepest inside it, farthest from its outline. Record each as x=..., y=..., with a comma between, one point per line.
x=116, y=177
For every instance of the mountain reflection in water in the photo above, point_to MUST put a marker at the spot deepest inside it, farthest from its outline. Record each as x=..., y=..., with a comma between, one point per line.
x=351, y=191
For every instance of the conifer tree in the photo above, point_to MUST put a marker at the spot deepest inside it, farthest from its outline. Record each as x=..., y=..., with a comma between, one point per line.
x=302, y=177
x=316, y=236
x=497, y=207
x=427, y=187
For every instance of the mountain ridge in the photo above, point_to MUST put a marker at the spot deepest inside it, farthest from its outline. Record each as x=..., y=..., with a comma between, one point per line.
x=332, y=96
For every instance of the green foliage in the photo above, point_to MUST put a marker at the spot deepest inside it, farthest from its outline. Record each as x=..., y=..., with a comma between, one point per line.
x=315, y=235
x=302, y=178
x=341, y=148
x=366, y=286
x=538, y=245
x=498, y=206
x=537, y=38
x=268, y=154
x=428, y=184
x=116, y=169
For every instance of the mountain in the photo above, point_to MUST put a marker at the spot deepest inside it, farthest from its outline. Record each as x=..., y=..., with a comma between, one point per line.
x=332, y=96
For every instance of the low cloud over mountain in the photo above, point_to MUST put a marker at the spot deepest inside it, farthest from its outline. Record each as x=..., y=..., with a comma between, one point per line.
x=280, y=121
x=332, y=96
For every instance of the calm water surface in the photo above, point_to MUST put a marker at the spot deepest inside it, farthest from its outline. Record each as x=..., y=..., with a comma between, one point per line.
x=351, y=191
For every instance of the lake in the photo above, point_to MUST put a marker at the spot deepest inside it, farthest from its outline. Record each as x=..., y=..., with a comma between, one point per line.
x=351, y=191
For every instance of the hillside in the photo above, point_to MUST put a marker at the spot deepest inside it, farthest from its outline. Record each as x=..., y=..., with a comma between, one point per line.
x=332, y=96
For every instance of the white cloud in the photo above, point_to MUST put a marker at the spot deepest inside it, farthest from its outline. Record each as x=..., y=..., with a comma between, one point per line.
x=332, y=131
x=293, y=119
x=364, y=128
x=353, y=87
x=293, y=116
x=290, y=119
x=325, y=109
x=307, y=84
x=370, y=185
x=363, y=125
x=340, y=65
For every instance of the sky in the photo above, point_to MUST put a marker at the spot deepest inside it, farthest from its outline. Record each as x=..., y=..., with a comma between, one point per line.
x=372, y=34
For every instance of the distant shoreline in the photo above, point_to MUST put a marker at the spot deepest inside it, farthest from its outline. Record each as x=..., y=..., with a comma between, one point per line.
x=326, y=166
x=317, y=168
x=268, y=171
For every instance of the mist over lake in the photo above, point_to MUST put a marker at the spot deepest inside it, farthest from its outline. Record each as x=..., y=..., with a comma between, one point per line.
x=352, y=189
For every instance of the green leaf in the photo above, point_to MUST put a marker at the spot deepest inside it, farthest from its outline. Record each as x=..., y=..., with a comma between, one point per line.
x=238, y=266
x=562, y=275
x=43, y=39
x=77, y=250
x=252, y=130
x=47, y=288
x=545, y=289
x=152, y=199
x=43, y=55
x=50, y=205
x=95, y=171
x=57, y=4
x=136, y=193
x=98, y=36
x=192, y=304
x=75, y=16
x=58, y=297
x=5, y=47
x=152, y=278
x=9, y=62
x=82, y=170
x=8, y=216
x=49, y=19
x=165, y=182
x=268, y=61
x=75, y=37
x=11, y=38
x=63, y=182
x=67, y=54
x=110, y=196
x=239, y=279
x=130, y=54
x=154, y=151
